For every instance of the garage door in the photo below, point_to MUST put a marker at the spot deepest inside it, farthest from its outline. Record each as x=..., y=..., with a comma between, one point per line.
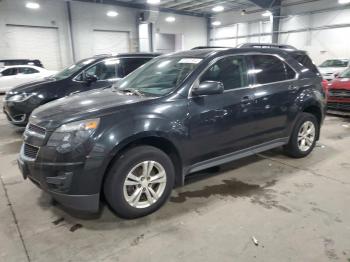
x=28, y=42
x=110, y=42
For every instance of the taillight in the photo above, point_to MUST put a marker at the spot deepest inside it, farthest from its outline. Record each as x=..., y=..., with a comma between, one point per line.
x=325, y=85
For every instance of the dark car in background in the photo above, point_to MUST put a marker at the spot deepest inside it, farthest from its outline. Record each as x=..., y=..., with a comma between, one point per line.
x=91, y=73
x=176, y=115
x=11, y=62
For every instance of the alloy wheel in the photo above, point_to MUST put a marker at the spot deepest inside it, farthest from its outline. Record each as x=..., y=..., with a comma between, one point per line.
x=306, y=136
x=144, y=184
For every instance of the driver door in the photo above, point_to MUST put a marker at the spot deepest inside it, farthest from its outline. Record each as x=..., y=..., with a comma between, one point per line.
x=223, y=123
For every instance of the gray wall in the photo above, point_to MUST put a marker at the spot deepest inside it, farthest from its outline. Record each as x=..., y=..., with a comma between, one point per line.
x=88, y=16
x=51, y=13
x=321, y=44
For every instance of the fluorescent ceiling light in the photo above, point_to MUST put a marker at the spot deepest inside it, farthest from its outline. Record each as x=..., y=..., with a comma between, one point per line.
x=170, y=19
x=267, y=13
x=218, y=8
x=112, y=13
x=32, y=5
x=153, y=2
x=216, y=23
x=343, y=2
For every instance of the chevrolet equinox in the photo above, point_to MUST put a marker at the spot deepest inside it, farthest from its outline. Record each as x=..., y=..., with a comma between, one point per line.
x=177, y=114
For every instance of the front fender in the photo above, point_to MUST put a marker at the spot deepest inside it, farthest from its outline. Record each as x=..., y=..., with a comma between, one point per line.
x=127, y=130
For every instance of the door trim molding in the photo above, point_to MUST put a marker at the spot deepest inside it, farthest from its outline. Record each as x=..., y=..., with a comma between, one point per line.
x=237, y=155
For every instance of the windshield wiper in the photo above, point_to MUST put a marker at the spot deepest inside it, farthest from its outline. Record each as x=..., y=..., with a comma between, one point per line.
x=131, y=90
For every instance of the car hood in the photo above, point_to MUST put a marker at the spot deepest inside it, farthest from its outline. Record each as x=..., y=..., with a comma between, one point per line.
x=340, y=83
x=35, y=86
x=85, y=105
x=331, y=70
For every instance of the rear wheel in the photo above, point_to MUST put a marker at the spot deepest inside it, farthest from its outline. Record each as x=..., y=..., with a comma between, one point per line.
x=139, y=182
x=304, y=136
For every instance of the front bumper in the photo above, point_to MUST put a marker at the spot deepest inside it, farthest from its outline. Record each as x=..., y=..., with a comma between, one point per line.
x=73, y=184
x=18, y=112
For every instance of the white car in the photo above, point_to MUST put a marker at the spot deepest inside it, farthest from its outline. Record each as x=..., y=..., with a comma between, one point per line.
x=11, y=76
x=330, y=68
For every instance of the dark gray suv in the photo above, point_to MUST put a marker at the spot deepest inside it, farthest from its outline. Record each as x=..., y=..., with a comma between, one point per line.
x=177, y=114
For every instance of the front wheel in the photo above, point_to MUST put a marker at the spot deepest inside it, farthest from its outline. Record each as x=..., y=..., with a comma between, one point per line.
x=139, y=182
x=304, y=136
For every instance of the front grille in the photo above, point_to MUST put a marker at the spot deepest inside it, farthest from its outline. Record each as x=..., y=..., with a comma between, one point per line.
x=30, y=151
x=36, y=129
x=340, y=93
x=338, y=106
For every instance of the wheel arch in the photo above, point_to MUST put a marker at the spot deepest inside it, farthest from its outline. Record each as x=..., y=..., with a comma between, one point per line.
x=317, y=112
x=158, y=141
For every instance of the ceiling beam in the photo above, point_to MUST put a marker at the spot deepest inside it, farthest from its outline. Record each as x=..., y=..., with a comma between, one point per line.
x=192, y=4
x=177, y=3
x=229, y=5
x=266, y=4
x=144, y=7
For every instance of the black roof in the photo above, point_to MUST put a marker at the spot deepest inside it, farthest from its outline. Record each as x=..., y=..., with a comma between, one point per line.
x=120, y=55
x=137, y=54
x=248, y=48
x=267, y=45
x=204, y=53
x=144, y=54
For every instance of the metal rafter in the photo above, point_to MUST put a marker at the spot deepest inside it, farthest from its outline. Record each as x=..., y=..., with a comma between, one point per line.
x=230, y=4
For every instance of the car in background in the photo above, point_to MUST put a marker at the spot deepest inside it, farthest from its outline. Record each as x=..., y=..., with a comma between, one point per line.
x=92, y=73
x=338, y=94
x=332, y=67
x=10, y=62
x=176, y=115
x=11, y=76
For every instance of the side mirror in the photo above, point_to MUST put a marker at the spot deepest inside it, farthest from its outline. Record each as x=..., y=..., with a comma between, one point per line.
x=90, y=78
x=208, y=88
x=336, y=75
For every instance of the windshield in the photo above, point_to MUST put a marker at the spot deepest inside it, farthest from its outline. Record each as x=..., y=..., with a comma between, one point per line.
x=69, y=71
x=160, y=76
x=335, y=63
x=345, y=74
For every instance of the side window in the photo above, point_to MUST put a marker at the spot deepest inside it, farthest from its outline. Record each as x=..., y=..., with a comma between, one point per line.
x=270, y=69
x=131, y=64
x=9, y=72
x=27, y=70
x=104, y=70
x=231, y=71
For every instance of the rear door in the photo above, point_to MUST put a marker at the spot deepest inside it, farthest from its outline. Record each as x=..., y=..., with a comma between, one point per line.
x=275, y=90
x=26, y=74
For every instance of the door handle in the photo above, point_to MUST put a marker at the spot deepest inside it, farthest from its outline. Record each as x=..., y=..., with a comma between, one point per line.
x=292, y=88
x=246, y=99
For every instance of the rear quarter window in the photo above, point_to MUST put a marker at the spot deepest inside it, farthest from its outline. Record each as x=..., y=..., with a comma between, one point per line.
x=271, y=69
x=306, y=62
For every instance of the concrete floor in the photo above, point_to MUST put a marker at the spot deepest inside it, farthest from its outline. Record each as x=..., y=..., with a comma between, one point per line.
x=298, y=210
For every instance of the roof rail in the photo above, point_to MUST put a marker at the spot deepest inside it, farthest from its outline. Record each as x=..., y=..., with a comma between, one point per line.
x=207, y=47
x=267, y=45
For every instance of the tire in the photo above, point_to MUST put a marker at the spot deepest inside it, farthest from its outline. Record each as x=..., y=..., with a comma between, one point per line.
x=132, y=168
x=295, y=147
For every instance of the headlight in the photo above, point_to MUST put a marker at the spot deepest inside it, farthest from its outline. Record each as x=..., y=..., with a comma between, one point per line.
x=70, y=136
x=19, y=97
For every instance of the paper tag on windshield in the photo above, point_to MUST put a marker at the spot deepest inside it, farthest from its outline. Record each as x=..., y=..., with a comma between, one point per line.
x=190, y=61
